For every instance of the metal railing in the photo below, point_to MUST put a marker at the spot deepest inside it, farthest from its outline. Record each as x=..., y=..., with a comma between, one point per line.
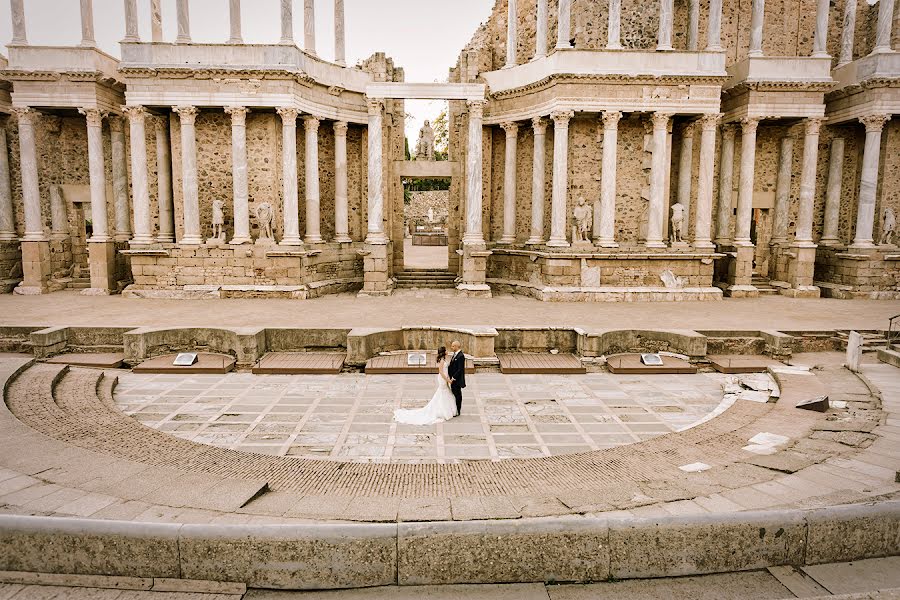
x=893, y=333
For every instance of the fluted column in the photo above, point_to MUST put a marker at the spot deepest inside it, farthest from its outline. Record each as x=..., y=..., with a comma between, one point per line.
x=132, y=33
x=341, y=209
x=290, y=198
x=848, y=33
x=803, y=233
x=313, y=197
x=757, y=16
x=703, y=220
x=17, y=10
x=509, y=184
x=868, y=183
x=783, y=190
x=240, y=184
x=559, y=198
x=605, y=221
x=726, y=186
x=564, y=24
x=287, y=22
x=340, y=52
x=539, y=125
x=120, y=179
x=657, y=209
x=833, y=194
x=156, y=33
x=139, y=178
x=685, y=175
x=614, y=26
x=666, y=24
x=28, y=165
x=375, y=234
x=885, y=23
x=182, y=8
x=821, y=34
x=190, y=192
x=87, y=24
x=234, y=13
x=474, y=170
x=97, y=171
x=745, y=189
x=309, y=26
x=543, y=16
x=511, y=23
x=714, y=27
x=7, y=210
x=165, y=201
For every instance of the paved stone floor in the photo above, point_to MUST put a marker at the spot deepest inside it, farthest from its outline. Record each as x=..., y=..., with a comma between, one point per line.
x=350, y=416
x=424, y=257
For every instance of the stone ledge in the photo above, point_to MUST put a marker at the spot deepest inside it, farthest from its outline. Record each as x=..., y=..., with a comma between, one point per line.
x=666, y=254
x=549, y=293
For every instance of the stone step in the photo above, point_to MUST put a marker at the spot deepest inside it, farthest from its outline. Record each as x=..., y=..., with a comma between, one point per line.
x=441, y=286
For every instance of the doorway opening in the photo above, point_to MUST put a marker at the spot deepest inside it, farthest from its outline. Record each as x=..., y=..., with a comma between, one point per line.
x=426, y=206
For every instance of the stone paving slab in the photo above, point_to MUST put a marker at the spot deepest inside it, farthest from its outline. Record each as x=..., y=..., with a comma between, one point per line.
x=857, y=576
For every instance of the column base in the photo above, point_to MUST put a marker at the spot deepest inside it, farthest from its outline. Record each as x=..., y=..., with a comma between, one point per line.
x=376, y=238
x=534, y=241
x=859, y=245
x=191, y=241
x=102, y=262
x=8, y=236
x=165, y=239
x=23, y=290
x=35, y=268
x=376, y=271
x=557, y=243
x=141, y=241
x=704, y=244
x=291, y=241
x=606, y=243
x=830, y=242
x=343, y=239
x=654, y=244
x=123, y=237
x=241, y=240
x=314, y=239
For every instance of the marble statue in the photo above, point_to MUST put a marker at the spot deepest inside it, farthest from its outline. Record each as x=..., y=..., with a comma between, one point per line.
x=264, y=217
x=584, y=222
x=677, y=222
x=425, y=145
x=218, y=221
x=888, y=226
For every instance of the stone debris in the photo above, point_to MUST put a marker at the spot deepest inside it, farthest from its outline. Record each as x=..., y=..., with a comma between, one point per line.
x=765, y=443
x=696, y=467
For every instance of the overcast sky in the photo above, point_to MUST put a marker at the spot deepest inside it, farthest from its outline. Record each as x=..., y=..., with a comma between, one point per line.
x=422, y=36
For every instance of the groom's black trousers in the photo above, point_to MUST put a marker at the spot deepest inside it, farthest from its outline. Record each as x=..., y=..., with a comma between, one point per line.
x=457, y=393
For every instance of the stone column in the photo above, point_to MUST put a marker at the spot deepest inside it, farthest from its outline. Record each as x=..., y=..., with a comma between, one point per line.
x=830, y=234
x=313, y=200
x=685, y=175
x=703, y=220
x=240, y=184
x=156, y=20
x=559, y=197
x=191, y=200
x=17, y=9
x=657, y=208
x=139, y=178
x=87, y=24
x=120, y=179
x=164, y=181
x=59, y=222
x=509, y=184
x=287, y=22
x=868, y=183
x=234, y=12
x=757, y=16
x=726, y=187
x=821, y=34
x=97, y=170
x=7, y=210
x=340, y=53
x=35, y=247
x=666, y=24
x=341, y=209
x=474, y=232
x=714, y=27
x=309, y=26
x=745, y=189
x=693, y=32
x=132, y=33
x=614, y=26
x=543, y=15
x=783, y=191
x=375, y=234
x=803, y=233
x=539, y=125
x=290, y=198
x=848, y=33
x=564, y=24
x=182, y=8
x=511, y=23
x=605, y=219
x=883, y=31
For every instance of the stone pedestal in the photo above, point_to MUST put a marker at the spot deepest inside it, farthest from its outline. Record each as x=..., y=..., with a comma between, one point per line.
x=102, y=259
x=739, y=273
x=376, y=275
x=474, y=272
x=801, y=269
x=850, y=273
x=35, y=269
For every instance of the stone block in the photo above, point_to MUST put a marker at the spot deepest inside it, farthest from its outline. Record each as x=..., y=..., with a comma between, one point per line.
x=855, y=532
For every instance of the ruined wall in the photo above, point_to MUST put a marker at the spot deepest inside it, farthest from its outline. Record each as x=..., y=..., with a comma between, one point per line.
x=417, y=208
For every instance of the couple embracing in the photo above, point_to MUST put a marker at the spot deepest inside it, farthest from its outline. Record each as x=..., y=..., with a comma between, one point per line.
x=446, y=402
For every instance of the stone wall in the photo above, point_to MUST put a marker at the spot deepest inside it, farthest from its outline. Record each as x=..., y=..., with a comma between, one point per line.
x=851, y=273
x=417, y=208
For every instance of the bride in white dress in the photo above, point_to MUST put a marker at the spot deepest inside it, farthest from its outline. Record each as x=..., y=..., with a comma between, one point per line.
x=442, y=405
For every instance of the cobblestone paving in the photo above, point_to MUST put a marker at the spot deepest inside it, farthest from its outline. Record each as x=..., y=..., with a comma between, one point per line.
x=349, y=417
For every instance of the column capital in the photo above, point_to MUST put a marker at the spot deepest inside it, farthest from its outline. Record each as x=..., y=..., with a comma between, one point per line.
x=288, y=114
x=874, y=123
x=561, y=118
x=709, y=122
x=812, y=125
x=340, y=128
x=476, y=108
x=375, y=106
x=116, y=124
x=26, y=114
x=134, y=112
x=160, y=124
x=188, y=114
x=749, y=125
x=238, y=115
x=93, y=116
x=511, y=128
x=729, y=130
x=311, y=122
x=660, y=120
x=539, y=124
x=611, y=119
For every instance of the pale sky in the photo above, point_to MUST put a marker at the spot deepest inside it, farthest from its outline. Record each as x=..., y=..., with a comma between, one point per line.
x=422, y=36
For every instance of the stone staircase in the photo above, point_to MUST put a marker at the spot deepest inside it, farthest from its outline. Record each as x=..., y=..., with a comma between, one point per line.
x=871, y=340
x=424, y=278
x=765, y=288
x=78, y=283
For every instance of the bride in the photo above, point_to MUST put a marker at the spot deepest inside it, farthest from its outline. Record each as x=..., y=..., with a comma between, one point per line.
x=442, y=405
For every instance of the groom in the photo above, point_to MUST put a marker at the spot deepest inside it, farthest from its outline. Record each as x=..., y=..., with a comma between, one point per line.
x=457, y=372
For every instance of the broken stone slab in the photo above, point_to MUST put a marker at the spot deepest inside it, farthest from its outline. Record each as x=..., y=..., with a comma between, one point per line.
x=785, y=462
x=819, y=404
x=855, y=439
x=863, y=425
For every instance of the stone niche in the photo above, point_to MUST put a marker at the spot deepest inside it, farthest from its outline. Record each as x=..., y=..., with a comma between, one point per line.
x=858, y=273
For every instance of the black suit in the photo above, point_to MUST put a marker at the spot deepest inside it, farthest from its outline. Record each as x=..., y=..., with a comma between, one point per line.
x=457, y=372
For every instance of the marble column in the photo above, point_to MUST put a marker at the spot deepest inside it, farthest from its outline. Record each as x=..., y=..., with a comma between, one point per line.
x=693, y=32
x=132, y=33
x=543, y=16
x=287, y=22
x=309, y=26
x=883, y=28
x=509, y=184
x=290, y=199
x=31, y=195
x=745, y=187
x=666, y=24
x=657, y=208
x=868, y=183
x=830, y=234
x=17, y=10
x=87, y=24
x=120, y=179
x=511, y=23
x=156, y=32
x=605, y=221
x=7, y=210
x=139, y=177
x=165, y=201
x=313, y=197
x=240, y=185
x=783, y=191
x=848, y=33
x=614, y=26
x=685, y=176
x=703, y=220
x=726, y=187
x=340, y=52
x=757, y=16
x=234, y=13
x=341, y=208
x=474, y=170
x=714, y=27
x=375, y=234
x=821, y=34
x=190, y=191
x=59, y=222
x=182, y=8
x=97, y=172
x=803, y=233
x=539, y=125
x=564, y=24
x=560, y=192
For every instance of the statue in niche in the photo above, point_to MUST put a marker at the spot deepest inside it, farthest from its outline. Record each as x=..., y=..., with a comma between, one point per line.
x=888, y=226
x=584, y=222
x=264, y=216
x=677, y=222
x=425, y=145
x=218, y=222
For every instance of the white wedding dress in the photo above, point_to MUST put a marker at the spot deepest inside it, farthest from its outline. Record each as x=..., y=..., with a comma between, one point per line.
x=441, y=407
